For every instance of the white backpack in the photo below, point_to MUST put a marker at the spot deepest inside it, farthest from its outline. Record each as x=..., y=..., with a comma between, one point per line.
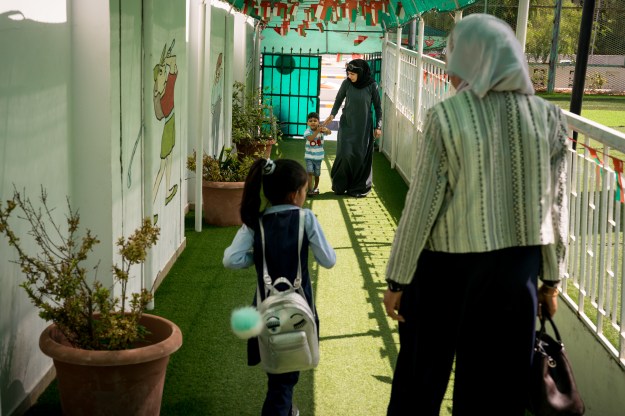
x=288, y=340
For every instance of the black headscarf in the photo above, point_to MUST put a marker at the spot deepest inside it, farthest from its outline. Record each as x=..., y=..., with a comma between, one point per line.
x=360, y=67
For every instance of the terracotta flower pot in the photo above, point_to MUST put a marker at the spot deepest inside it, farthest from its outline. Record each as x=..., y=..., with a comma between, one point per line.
x=222, y=203
x=125, y=382
x=255, y=149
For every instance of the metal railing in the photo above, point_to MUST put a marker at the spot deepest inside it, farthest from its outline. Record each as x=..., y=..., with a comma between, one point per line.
x=596, y=260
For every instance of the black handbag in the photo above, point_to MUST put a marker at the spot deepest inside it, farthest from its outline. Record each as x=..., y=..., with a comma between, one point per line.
x=553, y=391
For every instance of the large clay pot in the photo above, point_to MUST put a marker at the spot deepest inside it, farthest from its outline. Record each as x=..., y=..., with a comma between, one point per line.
x=126, y=382
x=255, y=149
x=222, y=202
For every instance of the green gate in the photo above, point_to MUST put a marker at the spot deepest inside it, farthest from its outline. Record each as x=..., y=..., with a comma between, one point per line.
x=375, y=65
x=292, y=83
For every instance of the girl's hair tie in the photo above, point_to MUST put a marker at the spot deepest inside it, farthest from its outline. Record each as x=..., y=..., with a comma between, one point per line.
x=269, y=167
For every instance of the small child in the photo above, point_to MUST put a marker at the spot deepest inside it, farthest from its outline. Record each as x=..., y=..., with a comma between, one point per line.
x=314, y=135
x=276, y=191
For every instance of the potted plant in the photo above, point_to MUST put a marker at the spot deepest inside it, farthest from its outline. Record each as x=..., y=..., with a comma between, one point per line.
x=254, y=125
x=223, y=178
x=109, y=356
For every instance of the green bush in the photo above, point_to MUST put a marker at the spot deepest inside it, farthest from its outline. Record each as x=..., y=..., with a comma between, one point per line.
x=65, y=290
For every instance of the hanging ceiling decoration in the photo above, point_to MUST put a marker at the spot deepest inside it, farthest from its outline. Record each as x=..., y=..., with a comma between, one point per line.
x=286, y=15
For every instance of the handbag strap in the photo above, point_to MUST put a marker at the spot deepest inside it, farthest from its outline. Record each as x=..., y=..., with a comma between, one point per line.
x=545, y=317
x=297, y=284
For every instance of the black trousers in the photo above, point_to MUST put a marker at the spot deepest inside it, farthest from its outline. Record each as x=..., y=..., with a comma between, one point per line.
x=279, y=399
x=479, y=308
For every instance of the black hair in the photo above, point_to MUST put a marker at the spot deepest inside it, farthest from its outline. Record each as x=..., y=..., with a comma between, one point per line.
x=312, y=115
x=287, y=177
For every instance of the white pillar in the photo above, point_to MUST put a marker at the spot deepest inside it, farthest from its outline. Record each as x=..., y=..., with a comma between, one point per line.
x=228, y=79
x=521, y=22
x=417, y=109
x=418, y=93
x=396, y=98
x=239, y=60
x=204, y=29
x=257, y=52
x=383, y=85
x=458, y=16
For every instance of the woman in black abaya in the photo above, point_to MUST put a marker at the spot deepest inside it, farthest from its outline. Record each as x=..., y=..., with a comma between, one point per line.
x=352, y=172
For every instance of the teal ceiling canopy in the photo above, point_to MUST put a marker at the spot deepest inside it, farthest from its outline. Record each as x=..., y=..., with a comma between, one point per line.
x=304, y=15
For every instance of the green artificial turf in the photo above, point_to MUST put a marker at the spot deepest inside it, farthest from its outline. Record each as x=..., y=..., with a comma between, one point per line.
x=209, y=375
x=359, y=344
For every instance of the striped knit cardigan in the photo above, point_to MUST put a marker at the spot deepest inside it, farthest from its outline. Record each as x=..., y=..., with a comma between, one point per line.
x=490, y=174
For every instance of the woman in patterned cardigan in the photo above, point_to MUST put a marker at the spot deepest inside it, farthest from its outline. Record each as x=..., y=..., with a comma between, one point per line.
x=484, y=219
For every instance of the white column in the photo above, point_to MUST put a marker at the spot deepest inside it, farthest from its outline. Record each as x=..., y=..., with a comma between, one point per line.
x=204, y=29
x=383, y=85
x=521, y=22
x=396, y=97
x=257, y=52
x=418, y=93
x=417, y=109
x=239, y=60
x=228, y=79
x=458, y=16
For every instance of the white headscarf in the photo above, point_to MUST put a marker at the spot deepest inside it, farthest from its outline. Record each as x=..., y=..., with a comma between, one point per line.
x=484, y=52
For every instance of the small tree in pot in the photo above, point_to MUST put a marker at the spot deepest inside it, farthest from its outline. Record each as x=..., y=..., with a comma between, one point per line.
x=255, y=128
x=90, y=325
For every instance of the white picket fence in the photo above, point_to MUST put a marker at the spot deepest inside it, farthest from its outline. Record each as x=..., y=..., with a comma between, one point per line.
x=596, y=264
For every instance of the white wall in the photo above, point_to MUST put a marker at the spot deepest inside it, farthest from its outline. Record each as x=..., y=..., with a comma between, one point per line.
x=600, y=380
x=35, y=151
x=77, y=85
x=231, y=33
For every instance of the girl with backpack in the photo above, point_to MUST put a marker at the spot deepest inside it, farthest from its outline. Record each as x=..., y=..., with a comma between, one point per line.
x=274, y=193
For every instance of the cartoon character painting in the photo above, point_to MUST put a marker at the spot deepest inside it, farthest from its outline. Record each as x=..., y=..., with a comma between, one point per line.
x=165, y=74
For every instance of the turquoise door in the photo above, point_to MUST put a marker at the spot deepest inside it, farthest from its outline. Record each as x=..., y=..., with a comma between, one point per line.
x=375, y=64
x=292, y=83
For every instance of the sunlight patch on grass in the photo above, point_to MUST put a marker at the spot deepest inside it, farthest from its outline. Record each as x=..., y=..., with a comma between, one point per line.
x=608, y=110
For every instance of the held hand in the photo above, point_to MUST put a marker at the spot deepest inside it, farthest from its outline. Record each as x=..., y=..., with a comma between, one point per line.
x=547, y=300
x=377, y=133
x=328, y=120
x=392, y=302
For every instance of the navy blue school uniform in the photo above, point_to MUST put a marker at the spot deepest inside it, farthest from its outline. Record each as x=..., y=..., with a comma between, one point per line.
x=281, y=225
x=281, y=234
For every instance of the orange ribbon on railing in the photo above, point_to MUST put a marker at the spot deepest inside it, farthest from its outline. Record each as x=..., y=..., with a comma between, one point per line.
x=619, y=195
x=599, y=163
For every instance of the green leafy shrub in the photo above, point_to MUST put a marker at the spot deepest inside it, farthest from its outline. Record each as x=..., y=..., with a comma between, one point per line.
x=65, y=290
x=253, y=120
x=228, y=167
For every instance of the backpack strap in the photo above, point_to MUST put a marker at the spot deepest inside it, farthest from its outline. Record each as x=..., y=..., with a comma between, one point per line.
x=297, y=284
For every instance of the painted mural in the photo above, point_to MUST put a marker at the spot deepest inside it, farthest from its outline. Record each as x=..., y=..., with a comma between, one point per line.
x=165, y=75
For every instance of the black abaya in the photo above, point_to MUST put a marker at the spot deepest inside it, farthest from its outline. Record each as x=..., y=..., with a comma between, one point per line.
x=352, y=169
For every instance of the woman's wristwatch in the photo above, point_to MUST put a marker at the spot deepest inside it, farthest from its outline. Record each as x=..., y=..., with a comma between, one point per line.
x=394, y=286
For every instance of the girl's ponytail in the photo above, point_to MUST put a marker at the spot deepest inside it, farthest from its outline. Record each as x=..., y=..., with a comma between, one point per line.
x=250, y=204
x=270, y=182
